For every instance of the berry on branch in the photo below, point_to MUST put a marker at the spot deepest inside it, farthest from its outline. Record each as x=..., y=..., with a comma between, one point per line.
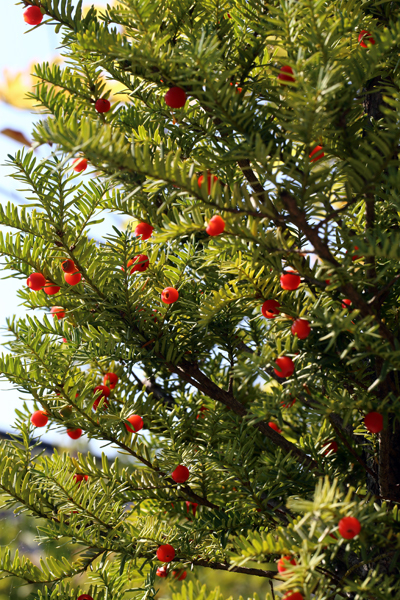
x=180, y=474
x=175, y=97
x=216, y=226
x=33, y=15
x=137, y=423
x=373, y=421
x=72, y=278
x=179, y=575
x=210, y=180
x=166, y=553
x=301, y=328
x=39, y=418
x=68, y=266
x=50, y=289
x=290, y=281
x=169, y=295
x=111, y=380
x=270, y=309
x=80, y=164
x=316, y=154
x=284, y=367
x=144, y=230
x=365, y=36
x=275, y=427
x=162, y=572
x=141, y=263
x=284, y=563
x=102, y=105
x=74, y=434
x=286, y=74
x=58, y=311
x=349, y=527
x=36, y=281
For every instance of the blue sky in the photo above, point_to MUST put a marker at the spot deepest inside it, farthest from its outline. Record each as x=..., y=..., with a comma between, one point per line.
x=18, y=50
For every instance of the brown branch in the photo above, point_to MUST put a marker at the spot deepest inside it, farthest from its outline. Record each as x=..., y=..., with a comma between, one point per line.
x=299, y=219
x=192, y=374
x=225, y=567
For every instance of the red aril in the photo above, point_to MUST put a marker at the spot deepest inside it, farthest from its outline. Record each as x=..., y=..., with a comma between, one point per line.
x=275, y=427
x=166, y=553
x=72, y=278
x=80, y=164
x=284, y=563
x=141, y=263
x=373, y=421
x=102, y=105
x=316, y=154
x=192, y=505
x=216, y=226
x=290, y=281
x=110, y=380
x=50, y=289
x=68, y=266
x=180, y=474
x=210, y=180
x=349, y=527
x=175, y=97
x=137, y=423
x=330, y=446
x=179, y=575
x=74, y=434
x=144, y=230
x=162, y=572
x=169, y=295
x=33, y=15
x=286, y=74
x=284, y=367
x=301, y=328
x=270, y=309
x=58, y=311
x=39, y=418
x=365, y=36
x=36, y=281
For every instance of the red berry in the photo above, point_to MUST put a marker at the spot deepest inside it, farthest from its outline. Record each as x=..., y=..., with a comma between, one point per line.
x=110, y=379
x=57, y=311
x=137, y=423
x=141, y=263
x=318, y=153
x=194, y=506
x=293, y=596
x=169, y=295
x=36, y=281
x=330, y=446
x=39, y=418
x=50, y=289
x=175, y=97
x=365, y=36
x=179, y=575
x=275, y=427
x=181, y=474
x=105, y=392
x=79, y=477
x=162, y=572
x=166, y=553
x=74, y=433
x=72, y=278
x=290, y=281
x=144, y=230
x=373, y=421
x=210, y=180
x=346, y=303
x=68, y=266
x=216, y=226
x=289, y=403
x=83, y=596
x=80, y=164
x=33, y=15
x=285, y=367
x=283, y=74
x=301, y=328
x=102, y=105
x=270, y=309
x=202, y=409
x=284, y=562
x=349, y=527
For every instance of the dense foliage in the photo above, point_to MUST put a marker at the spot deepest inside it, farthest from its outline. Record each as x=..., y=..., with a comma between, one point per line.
x=301, y=165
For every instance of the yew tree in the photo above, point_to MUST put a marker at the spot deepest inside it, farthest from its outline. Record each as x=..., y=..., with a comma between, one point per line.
x=237, y=341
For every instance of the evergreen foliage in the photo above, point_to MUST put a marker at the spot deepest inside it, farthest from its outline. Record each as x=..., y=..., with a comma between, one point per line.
x=210, y=387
